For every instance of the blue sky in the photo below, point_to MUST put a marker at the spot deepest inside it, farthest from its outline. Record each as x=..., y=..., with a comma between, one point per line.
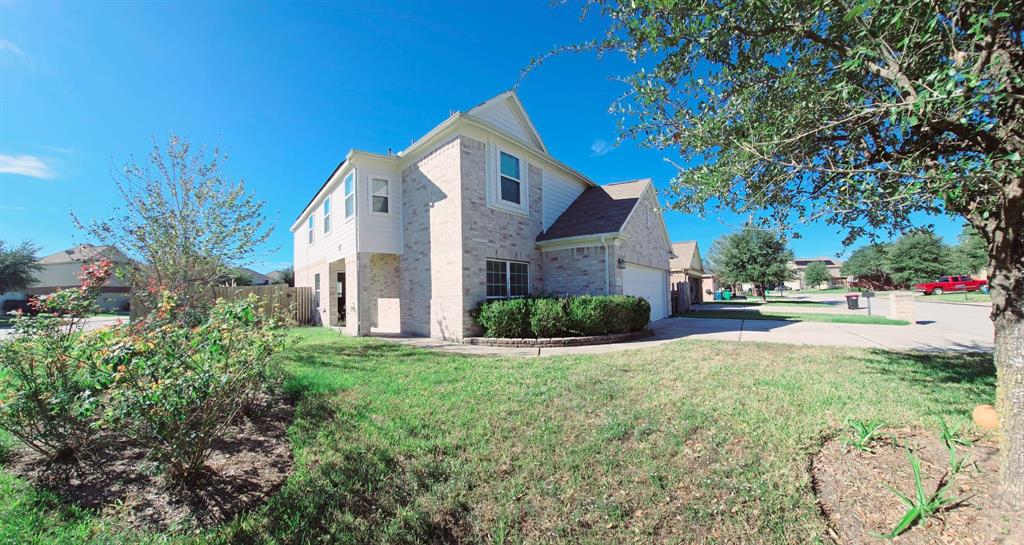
x=286, y=90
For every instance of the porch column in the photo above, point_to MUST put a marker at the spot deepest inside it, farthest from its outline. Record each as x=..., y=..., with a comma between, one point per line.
x=356, y=274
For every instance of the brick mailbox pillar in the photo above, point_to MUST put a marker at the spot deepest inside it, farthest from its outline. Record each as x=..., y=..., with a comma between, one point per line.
x=901, y=306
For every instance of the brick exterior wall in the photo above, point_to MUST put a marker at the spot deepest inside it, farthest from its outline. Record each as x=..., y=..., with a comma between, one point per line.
x=491, y=233
x=576, y=271
x=431, y=263
x=647, y=245
x=380, y=280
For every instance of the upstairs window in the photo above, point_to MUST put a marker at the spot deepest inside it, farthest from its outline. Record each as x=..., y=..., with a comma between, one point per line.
x=380, y=195
x=511, y=178
x=350, y=195
x=327, y=215
x=507, y=279
x=309, y=228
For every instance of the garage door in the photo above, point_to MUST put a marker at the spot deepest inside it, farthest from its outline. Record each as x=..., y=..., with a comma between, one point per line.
x=649, y=284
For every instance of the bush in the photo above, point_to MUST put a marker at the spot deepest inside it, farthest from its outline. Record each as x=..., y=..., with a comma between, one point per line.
x=51, y=373
x=176, y=389
x=577, y=316
x=508, y=318
x=550, y=318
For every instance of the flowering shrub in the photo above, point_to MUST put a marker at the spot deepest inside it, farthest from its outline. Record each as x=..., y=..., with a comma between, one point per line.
x=177, y=388
x=51, y=381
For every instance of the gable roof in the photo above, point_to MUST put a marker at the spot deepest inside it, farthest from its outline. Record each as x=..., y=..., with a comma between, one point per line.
x=598, y=210
x=685, y=253
x=829, y=262
x=83, y=253
x=506, y=112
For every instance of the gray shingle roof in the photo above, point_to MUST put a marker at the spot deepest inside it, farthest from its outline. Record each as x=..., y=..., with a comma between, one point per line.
x=598, y=210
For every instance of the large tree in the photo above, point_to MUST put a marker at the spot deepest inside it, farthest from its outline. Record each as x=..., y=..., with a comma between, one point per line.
x=854, y=112
x=918, y=256
x=971, y=254
x=18, y=266
x=816, y=274
x=867, y=261
x=183, y=223
x=754, y=256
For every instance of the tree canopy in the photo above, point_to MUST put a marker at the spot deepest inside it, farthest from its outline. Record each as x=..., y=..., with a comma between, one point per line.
x=18, y=266
x=752, y=255
x=919, y=256
x=868, y=261
x=969, y=256
x=815, y=274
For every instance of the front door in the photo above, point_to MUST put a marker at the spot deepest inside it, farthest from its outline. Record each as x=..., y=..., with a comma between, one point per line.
x=340, y=287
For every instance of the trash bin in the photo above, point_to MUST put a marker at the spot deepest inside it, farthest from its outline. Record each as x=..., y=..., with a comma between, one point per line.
x=718, y=296
x=853, y=301
x=727, y=295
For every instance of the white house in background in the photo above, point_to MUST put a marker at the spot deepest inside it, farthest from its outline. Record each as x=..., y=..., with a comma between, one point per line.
x=475, y=209
x=834, y=267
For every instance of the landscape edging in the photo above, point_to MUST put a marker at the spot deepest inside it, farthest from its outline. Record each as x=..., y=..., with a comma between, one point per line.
x=551, y=342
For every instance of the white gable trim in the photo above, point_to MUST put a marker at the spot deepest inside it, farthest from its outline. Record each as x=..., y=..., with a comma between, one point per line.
x=517, y=108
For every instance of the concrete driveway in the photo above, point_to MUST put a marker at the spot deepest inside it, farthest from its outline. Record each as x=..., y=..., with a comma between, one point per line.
x=939, y=327
x=93, y=323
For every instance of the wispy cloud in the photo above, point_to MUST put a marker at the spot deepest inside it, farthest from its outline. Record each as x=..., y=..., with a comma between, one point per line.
x=11, y=50
x=601, y=147
x=26, y=165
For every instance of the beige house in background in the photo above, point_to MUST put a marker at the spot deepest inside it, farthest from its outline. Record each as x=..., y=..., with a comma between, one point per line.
x=832, y=265
x=475, y=209
x=61, y=270
x=687, y=267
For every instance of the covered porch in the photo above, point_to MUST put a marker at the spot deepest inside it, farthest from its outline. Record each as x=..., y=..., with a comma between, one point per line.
x=360, y=294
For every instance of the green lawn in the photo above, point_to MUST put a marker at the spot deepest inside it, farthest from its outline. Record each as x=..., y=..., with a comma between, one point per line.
x=753, y=314
x=771, y=301
x=690, y=442
x=963, y=297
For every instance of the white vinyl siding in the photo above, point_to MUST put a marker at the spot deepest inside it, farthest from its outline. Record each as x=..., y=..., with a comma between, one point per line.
x=559, y=192
x=501, y=116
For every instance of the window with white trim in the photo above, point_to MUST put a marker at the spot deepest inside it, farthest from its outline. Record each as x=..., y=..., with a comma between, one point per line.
x=350, y=194
x=309, y=228
x=327, y=215
x=380, y=195
x=507, y=279
x=316, y=289
x=510, y=179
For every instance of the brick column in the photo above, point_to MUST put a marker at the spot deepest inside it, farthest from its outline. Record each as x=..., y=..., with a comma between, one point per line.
x=901, y=306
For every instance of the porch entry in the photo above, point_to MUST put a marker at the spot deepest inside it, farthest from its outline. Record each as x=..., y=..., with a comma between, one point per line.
x=340, y=292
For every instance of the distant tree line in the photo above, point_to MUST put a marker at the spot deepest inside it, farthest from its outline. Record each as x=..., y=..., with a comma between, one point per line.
x=917, y=256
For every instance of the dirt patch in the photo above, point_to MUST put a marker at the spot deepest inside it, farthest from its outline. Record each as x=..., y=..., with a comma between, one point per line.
x=247, y=466
x=860, y=509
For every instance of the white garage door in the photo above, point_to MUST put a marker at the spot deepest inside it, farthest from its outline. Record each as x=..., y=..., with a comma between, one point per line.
x=649, y=284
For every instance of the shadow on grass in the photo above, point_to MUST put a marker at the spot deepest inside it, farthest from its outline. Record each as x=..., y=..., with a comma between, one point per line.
x=972, y=369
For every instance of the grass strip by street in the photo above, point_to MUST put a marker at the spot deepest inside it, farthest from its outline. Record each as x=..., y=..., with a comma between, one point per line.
x=395, y=445
x=793, y=317
x=771, y=301
x=962, y=297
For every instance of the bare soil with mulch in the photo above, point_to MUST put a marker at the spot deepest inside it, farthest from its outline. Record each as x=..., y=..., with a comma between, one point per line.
x=860, y=509
x=248, y=465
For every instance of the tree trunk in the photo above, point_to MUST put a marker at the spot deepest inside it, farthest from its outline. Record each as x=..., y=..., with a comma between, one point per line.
x=1006, y=282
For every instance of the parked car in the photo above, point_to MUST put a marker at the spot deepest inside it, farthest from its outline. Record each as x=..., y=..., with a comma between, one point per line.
x=12, y=306
x=950, y=283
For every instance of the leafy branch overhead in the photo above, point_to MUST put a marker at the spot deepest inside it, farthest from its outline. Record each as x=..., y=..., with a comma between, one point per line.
x=855, y=113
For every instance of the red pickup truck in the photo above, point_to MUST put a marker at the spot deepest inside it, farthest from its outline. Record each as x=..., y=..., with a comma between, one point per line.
x=950, y=283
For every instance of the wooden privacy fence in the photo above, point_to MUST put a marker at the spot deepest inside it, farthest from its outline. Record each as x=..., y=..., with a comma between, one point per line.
x=295, y=302
x=274, y=298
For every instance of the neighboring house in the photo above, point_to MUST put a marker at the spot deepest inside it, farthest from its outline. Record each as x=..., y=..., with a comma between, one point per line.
x=709, y=285
x=61, y=270
x=833, y=266
x=476, y=209
x=687, y=267
x=254, y=278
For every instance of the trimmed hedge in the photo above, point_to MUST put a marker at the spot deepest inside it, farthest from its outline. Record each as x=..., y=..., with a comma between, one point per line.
x=577, y=316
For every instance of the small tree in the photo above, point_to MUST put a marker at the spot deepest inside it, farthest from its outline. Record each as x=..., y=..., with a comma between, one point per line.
x=970, y=255
x=18, y=266
x=919, y=256
x=816, y=274
x=752, y=255
x=183, y=223
x=287, y=276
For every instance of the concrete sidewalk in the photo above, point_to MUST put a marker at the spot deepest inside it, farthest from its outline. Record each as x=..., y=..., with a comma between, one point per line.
x=925, y=336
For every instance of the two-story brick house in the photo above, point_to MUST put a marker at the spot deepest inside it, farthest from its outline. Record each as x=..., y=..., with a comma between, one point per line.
x=475, y=209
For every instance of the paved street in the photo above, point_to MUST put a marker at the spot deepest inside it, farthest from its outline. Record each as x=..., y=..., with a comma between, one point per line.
x=96, y=322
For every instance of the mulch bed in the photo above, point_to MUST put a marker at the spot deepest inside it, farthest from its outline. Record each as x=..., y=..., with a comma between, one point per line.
x=860, y=509
x=248, y=465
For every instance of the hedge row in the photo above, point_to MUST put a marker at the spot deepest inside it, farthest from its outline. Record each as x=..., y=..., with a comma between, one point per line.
x=578, y=316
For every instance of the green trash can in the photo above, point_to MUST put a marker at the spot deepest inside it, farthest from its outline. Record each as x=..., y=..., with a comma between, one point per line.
x=727, y=295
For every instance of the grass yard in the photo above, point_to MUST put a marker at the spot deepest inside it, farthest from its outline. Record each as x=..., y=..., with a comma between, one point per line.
x=963, y=297
x=694, y=441
x=771, y=301
x=793, y=316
